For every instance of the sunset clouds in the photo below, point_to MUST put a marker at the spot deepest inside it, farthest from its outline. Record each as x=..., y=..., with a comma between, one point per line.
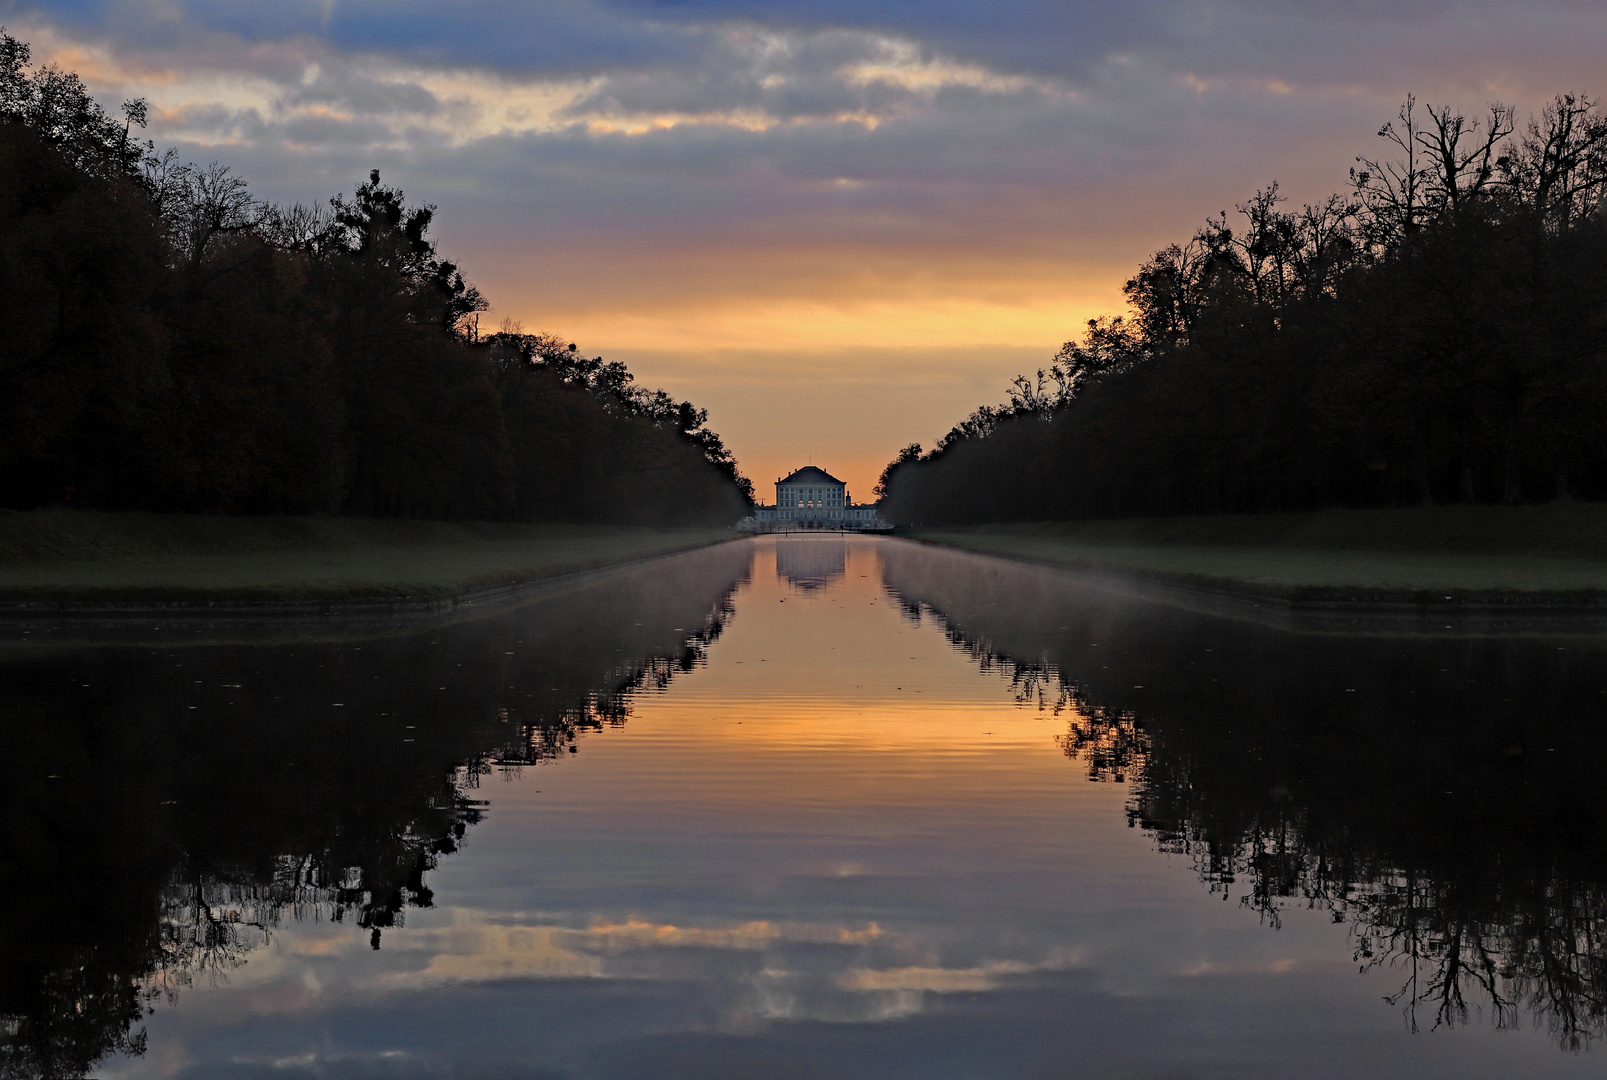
x=772, y=207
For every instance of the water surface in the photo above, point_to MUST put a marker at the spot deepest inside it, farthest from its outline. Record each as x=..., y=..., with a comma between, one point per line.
x=806, y=808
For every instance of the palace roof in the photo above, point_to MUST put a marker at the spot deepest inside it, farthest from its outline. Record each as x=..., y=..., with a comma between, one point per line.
x=809, y=475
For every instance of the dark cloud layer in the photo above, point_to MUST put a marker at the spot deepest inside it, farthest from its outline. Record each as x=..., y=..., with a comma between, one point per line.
x=1065, y=40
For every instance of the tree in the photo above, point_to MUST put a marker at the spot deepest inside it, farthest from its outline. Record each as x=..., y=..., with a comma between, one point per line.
x=1558, y=171
x=378, y=227
x=1438, y=331
x=906, y=456
x=175, y=343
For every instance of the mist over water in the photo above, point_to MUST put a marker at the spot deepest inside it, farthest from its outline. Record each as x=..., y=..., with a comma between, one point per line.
x=806, y=807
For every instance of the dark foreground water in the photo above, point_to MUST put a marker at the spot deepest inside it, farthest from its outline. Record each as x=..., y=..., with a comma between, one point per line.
x=798, y=809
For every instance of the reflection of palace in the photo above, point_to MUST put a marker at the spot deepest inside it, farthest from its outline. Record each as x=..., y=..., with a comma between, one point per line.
x=811, y=564
x=811, y=498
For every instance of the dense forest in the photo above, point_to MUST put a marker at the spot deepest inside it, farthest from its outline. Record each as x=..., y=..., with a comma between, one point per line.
x=175, y=343
x=1437, y=332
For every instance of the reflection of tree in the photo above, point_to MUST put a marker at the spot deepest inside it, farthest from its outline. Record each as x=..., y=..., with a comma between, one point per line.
x=167, y=810
x=546, y=735
x=79, y=1014
x=1541, y=953
x=1112, y=750
x=1435, y=795
x=1479, y=921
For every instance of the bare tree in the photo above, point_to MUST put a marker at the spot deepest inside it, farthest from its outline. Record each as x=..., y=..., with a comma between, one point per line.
x=1559, y=168
x=1462, y=160
x=296, y=227
x=1441, y=166
x=1391, y=193
x=216, y=201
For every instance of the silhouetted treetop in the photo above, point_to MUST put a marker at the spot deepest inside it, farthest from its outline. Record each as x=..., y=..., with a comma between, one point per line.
x=58, y=107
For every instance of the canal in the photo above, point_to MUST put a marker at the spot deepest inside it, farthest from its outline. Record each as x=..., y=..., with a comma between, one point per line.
x=804, y=807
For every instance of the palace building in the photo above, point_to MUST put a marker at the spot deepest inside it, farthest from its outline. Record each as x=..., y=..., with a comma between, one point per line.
x=812, y=498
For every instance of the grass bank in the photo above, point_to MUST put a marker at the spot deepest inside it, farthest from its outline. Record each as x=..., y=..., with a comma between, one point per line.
x=79, y=558
x=1541, y=554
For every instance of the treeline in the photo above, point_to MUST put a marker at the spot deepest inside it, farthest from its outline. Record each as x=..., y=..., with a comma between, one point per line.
x=174, y=343
x=1435, y=333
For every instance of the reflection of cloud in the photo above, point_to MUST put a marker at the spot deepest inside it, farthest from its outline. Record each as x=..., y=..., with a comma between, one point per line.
x=478, y=953
x=639, y=933
x=901, y=991
x=784, y=970
x=1265, y=967
x=477, y=948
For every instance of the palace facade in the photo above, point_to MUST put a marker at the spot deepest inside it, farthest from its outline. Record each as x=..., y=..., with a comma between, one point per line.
x=812, y=498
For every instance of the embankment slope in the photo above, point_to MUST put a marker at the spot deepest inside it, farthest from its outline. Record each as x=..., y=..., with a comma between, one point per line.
x=1554, y=554
x=79, y=559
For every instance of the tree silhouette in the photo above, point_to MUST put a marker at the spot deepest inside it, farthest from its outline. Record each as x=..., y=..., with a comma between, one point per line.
x=179, y=344
x=1438, y=332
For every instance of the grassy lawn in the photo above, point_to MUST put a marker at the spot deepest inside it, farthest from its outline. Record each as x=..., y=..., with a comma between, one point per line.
x=1557, y=551
x=122, y=558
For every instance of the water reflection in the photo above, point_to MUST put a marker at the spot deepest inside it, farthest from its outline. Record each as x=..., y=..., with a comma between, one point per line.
x=1439, y=796
x=811, y=565
x=168, y=810
x=832, y=850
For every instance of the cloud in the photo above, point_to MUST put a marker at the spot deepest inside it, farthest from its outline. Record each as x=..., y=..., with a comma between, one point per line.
x=936, y=980
x=740, y=79
x=775, y=177
x=766, y=124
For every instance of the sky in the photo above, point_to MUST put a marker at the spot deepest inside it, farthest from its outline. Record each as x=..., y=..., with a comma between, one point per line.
x=839, y=226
